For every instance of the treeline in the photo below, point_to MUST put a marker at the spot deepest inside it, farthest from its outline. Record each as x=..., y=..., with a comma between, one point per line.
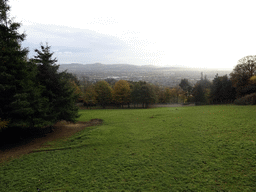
x=240, y=88
x=32, y=93
x=120, y=94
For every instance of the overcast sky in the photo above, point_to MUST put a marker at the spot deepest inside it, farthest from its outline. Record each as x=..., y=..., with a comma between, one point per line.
x=198, y=33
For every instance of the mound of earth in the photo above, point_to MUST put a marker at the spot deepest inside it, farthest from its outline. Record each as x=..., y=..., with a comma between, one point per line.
x=27, y=145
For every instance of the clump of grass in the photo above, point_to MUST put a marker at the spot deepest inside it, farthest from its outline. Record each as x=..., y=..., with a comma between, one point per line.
x=201, y=148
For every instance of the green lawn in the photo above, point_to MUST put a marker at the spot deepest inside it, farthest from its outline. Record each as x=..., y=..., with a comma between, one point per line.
x=199, y=148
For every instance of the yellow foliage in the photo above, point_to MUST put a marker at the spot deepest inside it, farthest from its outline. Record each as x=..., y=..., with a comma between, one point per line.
x=167, y=95
x=122, y=91
x=253, y=78
x=76, y=88
x=3, y=123
x=90, y=96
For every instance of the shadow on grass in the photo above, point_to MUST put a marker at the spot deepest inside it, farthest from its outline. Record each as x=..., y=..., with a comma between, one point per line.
x=14, y=137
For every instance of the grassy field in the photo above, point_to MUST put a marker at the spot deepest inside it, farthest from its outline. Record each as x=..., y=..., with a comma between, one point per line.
x=199, y=148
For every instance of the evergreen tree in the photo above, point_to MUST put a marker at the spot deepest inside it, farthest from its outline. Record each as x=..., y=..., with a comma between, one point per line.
x=215, y=91
x=58, y=88
x=18, y=92
x=199, y=94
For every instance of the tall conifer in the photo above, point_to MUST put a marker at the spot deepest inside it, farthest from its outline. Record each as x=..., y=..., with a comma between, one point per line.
x=58, y=89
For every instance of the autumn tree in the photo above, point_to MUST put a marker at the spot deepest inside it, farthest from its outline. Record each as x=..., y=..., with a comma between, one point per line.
x=74, y=83
x=122, y=92
x=173, y=95
x=90, y=96
x=160, y=96
x=157, y=89
x=165, y=95
x=77, y=90
x=241, y=74
x=176, y=93
x=85, y=83
x=104, y=93
x=253, y=79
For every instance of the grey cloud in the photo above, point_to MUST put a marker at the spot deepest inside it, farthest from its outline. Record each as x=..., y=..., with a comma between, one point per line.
x=65, y=41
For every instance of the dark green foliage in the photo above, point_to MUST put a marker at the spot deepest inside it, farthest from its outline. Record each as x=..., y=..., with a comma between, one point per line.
x=246, y=100
x=31, y=96
x=136, y=92
x=18, y=93
x=186, y=86
x=205, y=83
x=241, y=74
x=201, y=91
x=143, y=93
x=111, y=81
x=72, y=77
x=198, y=93
x=4, y=9
x=247, y=89
x=58, y=89
x=222, y=90
x=23, y=99
x=148, y=94
x=66, y=100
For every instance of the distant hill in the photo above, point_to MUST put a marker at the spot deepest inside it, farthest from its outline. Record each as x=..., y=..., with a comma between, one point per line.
x=98, y=67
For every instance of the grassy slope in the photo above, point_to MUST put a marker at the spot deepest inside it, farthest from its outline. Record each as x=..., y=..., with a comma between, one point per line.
x=206, y=148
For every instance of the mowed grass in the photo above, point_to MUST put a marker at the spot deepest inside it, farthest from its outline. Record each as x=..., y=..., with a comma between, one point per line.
x=199, y=148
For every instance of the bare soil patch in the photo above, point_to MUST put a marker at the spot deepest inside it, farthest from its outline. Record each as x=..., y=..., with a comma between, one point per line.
x=60, y=130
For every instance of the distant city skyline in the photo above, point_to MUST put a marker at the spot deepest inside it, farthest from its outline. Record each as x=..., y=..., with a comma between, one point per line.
x=195, y=34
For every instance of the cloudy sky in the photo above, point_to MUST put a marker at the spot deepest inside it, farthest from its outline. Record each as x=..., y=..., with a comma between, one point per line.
x=198, y=33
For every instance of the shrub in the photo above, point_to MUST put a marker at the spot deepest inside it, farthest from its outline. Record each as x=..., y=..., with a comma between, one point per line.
x=246, y=100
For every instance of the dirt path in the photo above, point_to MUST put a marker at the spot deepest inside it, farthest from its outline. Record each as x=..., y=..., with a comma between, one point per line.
x=61, y=130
